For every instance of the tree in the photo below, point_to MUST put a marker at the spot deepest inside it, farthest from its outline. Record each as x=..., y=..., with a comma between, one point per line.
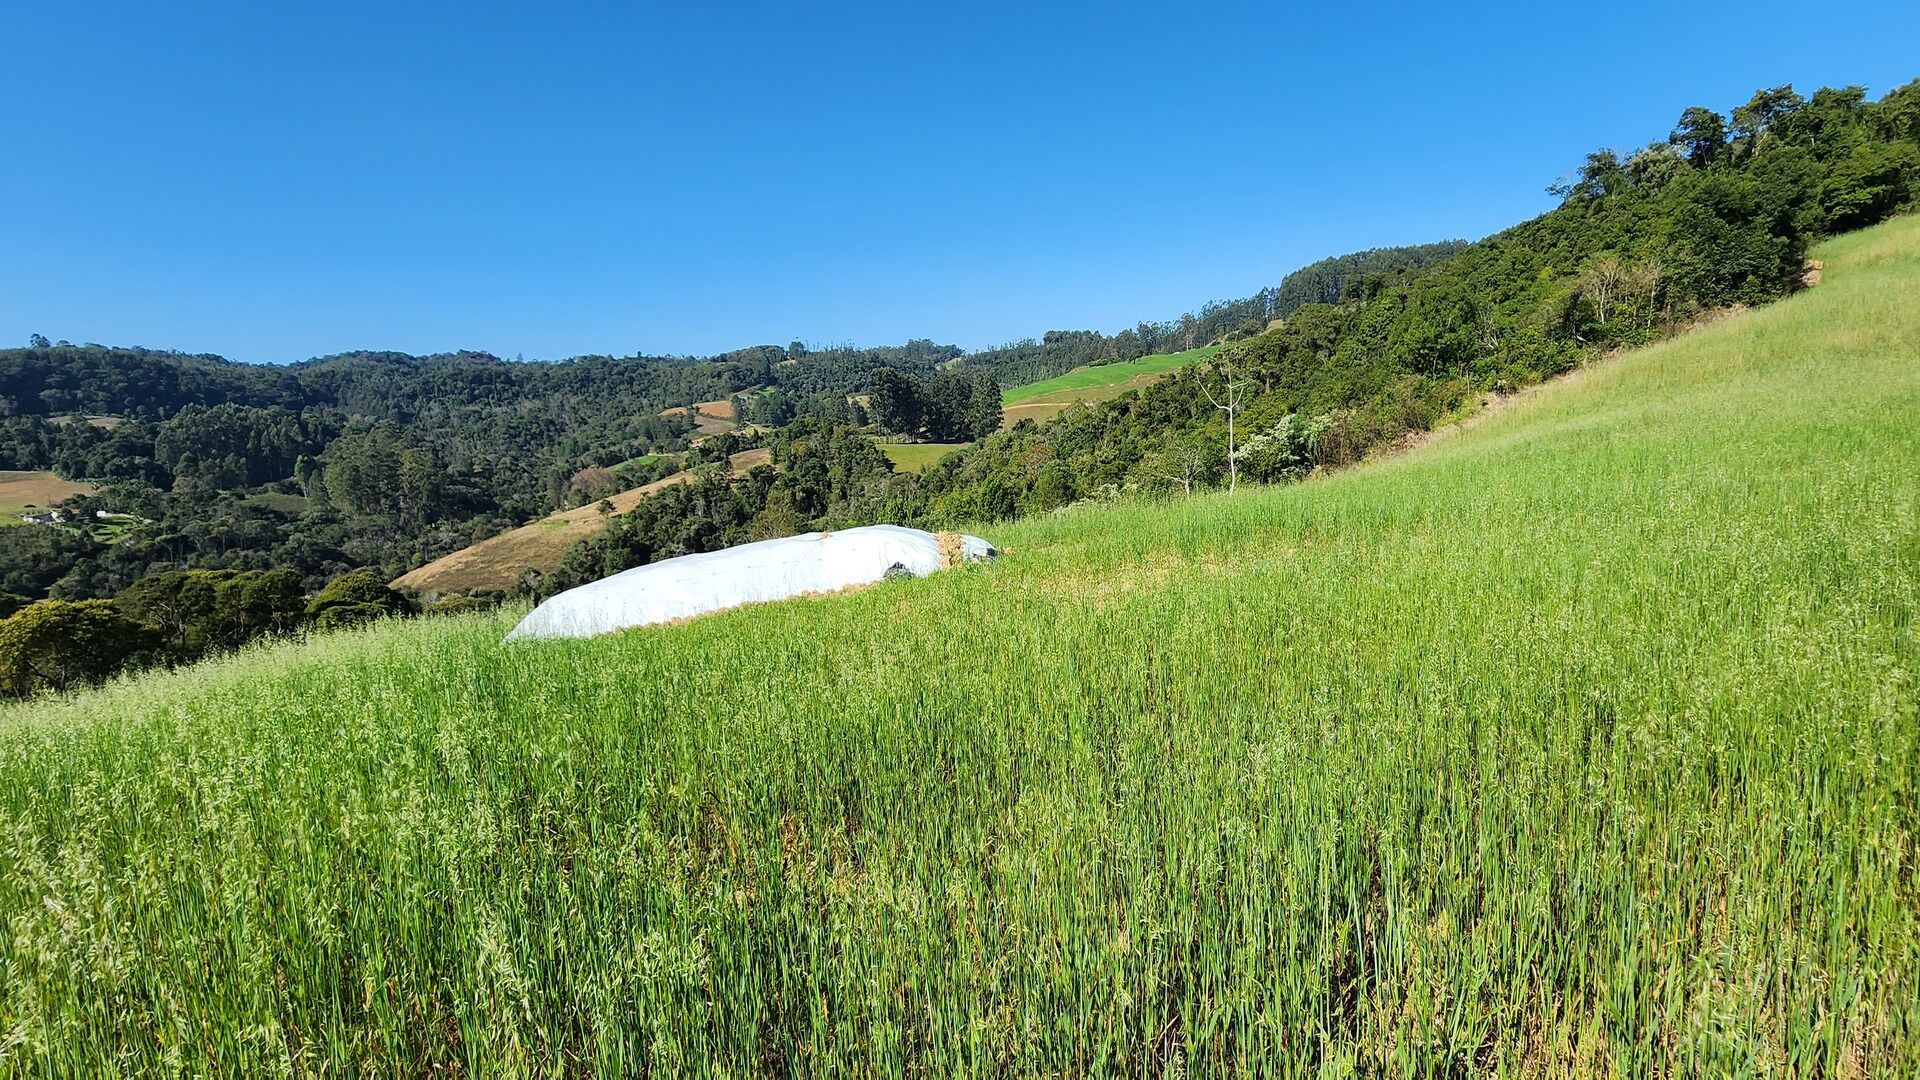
x=1602, y=280
x=984, y=413
x=1700, y=134
x=894, y=401
x=1285, y=449
x=38, y=341
x=354, y=598
x=1765, y=109
x=778, y=518
x=54, y=645
x=1228, y=401
x=1185, y=461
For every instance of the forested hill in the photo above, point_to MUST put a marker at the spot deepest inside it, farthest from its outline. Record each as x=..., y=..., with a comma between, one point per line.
x=388, y=461
x=1323, y=282
x=50, y=379
x=1719, y=211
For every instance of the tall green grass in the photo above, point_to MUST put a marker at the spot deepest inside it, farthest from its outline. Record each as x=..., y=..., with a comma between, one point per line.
x=1583, y=742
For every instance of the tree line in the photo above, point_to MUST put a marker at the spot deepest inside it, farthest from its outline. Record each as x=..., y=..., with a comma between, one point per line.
x=1061, y=351
x=174, y=618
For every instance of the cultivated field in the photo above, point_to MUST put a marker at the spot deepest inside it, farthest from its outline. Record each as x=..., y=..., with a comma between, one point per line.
x=915, y=457
x=21, y=491
x=1580, y=743
x=709, y=417
x=497, y=562
x=1047, y=398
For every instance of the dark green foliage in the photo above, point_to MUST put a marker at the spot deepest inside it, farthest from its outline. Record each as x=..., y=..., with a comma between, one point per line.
x=55, y=645
x=195, y=612
x=950, y=405
x=355, y=598
x=33, y=558
x=894, y=401
x=1325, y=282
x=1060, y=351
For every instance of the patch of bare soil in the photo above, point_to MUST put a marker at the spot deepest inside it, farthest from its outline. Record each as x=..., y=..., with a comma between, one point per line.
x=497, y=562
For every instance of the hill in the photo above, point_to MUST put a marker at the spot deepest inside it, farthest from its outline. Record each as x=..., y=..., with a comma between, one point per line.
x=496, y=563
x=1046, y=398
x=1578, y=742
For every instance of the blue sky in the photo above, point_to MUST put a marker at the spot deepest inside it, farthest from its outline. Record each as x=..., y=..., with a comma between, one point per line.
x=272, y=183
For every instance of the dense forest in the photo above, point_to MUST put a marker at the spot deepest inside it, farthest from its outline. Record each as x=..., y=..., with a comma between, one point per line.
x=281, y=480
x=376, y=460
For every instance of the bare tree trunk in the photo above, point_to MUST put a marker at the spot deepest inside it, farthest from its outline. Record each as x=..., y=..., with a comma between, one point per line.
x=1233, y=461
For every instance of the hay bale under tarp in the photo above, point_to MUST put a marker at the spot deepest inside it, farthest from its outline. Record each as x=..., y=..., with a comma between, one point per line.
x=751, y=573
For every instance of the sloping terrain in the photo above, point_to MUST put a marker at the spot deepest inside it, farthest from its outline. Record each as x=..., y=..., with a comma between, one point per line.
x=498, y=561
x=1582, y=742
x=709, y=417
x=1045, y=399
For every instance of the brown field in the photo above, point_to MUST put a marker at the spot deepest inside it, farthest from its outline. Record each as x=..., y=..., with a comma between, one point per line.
x=39, y=490
x=1038, y=409
x=709, y=417
x=104, y=423
x=496, y=562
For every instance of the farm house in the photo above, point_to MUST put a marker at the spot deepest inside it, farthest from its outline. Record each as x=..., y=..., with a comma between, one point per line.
x=680, y=588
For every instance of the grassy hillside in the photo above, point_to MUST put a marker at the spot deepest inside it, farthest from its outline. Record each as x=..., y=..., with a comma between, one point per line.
x=1583, y=741
x=1041, y=400
x=497, y=562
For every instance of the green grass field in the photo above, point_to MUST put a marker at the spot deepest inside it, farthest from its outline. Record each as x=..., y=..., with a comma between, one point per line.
x=1582, y=742
x=279, y=501
x=1041, y=401
x=638, y=462
x=1105, y=375
x=915, y=457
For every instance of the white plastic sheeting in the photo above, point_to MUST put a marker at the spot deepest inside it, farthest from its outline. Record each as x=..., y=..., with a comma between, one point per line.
x=716, y=580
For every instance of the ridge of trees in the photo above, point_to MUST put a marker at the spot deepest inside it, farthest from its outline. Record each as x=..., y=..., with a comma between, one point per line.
x=1060, y=351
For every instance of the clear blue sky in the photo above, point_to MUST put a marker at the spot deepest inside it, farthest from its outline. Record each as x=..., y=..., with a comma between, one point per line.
x=271, y=183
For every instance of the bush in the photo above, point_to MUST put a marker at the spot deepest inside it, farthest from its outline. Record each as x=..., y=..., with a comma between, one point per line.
x=360, y=595
x=54, y=645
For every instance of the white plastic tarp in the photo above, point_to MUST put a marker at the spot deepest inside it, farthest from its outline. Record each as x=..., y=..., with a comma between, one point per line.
x=715, y=580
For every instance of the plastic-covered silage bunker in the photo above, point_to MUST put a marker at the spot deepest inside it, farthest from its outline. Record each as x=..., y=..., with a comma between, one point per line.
x=690, y=585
